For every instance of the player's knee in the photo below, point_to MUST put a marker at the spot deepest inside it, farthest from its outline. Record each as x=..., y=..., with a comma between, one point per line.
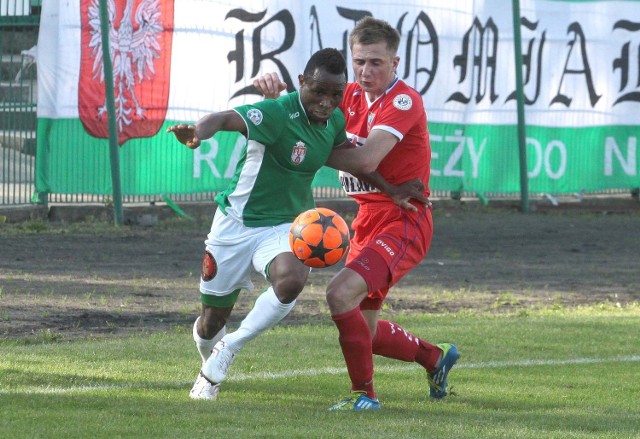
x=338, y=296
x=288, y=289
x=335, y=293
x=345, y=291
x=289, y=284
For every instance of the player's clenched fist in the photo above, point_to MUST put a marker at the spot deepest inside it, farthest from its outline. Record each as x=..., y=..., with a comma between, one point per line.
x=186, y=134
x=269, y=85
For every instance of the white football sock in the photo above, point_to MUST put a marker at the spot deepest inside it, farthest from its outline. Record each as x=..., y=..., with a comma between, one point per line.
x=266, y=313
x=205, y=346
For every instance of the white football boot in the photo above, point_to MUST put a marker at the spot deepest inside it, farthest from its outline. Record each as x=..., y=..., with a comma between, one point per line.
x=204, y=389
x=216, y=367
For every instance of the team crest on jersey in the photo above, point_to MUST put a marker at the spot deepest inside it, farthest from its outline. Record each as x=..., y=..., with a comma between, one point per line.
x=370, y=120
x=402, y=102
x=255, y=116
x=298, y=153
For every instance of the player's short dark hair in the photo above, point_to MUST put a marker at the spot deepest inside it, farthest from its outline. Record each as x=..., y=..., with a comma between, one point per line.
x=329, y=59
x=369, y=30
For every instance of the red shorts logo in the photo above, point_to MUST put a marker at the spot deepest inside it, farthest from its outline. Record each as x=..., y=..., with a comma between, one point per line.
x=209, y=267
x=140, y=36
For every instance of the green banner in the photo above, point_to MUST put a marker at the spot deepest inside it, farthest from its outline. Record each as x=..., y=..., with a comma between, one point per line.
x=559, y=160
x=72, y=161
x=581, y=89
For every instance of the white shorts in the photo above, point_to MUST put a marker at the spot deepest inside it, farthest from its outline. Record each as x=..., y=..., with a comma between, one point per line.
x=237, y=250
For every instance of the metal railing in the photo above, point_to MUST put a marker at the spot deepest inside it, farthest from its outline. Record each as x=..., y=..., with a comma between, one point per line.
x=19, y=21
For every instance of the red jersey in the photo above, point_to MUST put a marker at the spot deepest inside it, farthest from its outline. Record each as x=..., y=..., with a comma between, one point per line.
x=399, y=111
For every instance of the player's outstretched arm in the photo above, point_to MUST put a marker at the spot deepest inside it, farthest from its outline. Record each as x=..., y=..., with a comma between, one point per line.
x=401, y=194
x=347, y=157
x=186, y=134
x=363, y=159
x=269, y=85
x=205, y=128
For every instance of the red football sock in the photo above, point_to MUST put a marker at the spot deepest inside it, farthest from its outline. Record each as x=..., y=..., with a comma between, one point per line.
x=355, y=341
x=392, y=341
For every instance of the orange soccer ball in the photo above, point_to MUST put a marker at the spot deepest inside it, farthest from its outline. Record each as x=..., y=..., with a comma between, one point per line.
x=319, y=237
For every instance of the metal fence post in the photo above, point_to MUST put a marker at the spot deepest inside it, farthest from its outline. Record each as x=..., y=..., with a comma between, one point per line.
x=111, y=115
x=522, y=127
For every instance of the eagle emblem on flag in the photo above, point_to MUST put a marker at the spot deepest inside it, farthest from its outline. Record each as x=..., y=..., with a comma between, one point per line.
x=140, y=36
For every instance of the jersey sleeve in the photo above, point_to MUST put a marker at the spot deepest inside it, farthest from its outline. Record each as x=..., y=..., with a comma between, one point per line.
x=265, y=120
x=400, y=114
x=341, y=125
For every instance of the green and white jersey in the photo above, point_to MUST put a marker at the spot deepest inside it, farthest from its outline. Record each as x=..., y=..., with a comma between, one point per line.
x=272, y=181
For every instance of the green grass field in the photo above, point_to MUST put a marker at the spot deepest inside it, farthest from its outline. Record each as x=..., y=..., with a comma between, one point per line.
x=544, y=374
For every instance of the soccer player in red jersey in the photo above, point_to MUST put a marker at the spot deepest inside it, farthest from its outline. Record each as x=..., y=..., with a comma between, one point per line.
x=386, y=118
x=387, y=124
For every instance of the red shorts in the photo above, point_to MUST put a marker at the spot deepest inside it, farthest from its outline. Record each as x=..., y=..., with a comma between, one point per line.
x=387, y=243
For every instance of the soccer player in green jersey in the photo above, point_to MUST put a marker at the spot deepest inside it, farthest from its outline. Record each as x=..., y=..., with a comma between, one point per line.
x=288, y=141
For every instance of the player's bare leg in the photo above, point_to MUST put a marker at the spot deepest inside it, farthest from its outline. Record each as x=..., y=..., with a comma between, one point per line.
x=288, y=277
x=208, y=329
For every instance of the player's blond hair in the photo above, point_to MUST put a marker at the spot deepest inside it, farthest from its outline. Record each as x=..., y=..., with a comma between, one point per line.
x=369, y=30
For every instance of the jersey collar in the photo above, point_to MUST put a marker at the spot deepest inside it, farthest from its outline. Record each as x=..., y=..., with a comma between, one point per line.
x=306, y=117
x=393, y=83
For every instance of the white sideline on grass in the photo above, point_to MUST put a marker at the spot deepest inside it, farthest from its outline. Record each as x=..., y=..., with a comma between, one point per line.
x=324, y=371
x=486, y=365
